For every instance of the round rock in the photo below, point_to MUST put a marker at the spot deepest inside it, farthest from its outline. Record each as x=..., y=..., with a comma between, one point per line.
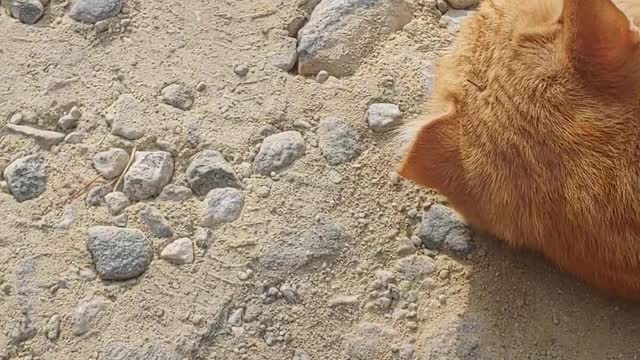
x=119, y=253
x=383, y=117
x=27, y=177
x=150, y=172
x=92, y=11
x=222, y=206
x=279, y=151
x=111, y=163
x=116, y=202
x=209, y=170
x=27, y=11
x=338, y=140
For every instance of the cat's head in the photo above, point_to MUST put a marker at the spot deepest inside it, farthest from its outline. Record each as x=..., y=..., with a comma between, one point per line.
x=525, y=81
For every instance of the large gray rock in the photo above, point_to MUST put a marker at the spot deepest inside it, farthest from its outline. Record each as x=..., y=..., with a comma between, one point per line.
x=279, y=151
x=222, y=206
x=338, y=140
x=111, y=163
x=92, y=11
x=119, y=254
x=27, y=177
x=127, y=117
x=209, y=170
x=443, y=228
x=150, y=172
x=27, y=11
x=340, y=33
x=279, y=260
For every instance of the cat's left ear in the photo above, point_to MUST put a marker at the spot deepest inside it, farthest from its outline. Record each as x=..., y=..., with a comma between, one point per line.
x=433, y=159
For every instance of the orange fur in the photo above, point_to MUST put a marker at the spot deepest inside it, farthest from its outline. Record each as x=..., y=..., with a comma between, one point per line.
x=535, y=133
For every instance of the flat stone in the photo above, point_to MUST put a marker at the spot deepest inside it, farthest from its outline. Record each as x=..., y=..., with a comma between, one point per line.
x=44, y=138
x=338, y=140
x=279, y=151
x=156, y=222
x=119, y=253
x=27, y=177
x=415, y=267
x=340, y=34
x=92, y=11
x=179, y=252
x=222, y=206
x=177, y=96
x=150, y=172
x=383, y=117
x=209, y=170
x=127, y=117
x=111, y=163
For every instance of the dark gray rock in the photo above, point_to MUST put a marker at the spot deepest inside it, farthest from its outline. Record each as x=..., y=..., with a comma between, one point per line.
x=443, y=228
x=222, y=206
x=156, y=222
x=339, y=142
x=118, y=253
x=27, y=177
x=27, y=11
x=341, y=33
x=209, y=170
x=92, y=11
x=279, y=151
x=150, y=172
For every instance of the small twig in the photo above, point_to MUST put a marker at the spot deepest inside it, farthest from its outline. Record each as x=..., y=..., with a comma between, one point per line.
x=104, y=137
x=75, y=194
x=224, y=280
x=133, y=154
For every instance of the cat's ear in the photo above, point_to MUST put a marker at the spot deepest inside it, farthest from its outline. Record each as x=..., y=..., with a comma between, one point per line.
x=599, y=38
x=433, y=159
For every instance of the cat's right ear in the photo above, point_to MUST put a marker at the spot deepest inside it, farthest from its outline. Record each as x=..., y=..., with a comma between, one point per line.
x=433, y=159
x=600, y=41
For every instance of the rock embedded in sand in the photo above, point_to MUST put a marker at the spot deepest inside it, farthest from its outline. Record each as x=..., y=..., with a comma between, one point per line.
x=92, y=11
x=383, y=117
x=339, y=142
x=156, y=222
x=279, y=151
x=443, y=228
x=285, y=58
x=27, y=11
x=179, y=252
x=88, y=313
x=45, y=138
x=127, y=117
x=119, y=253
x=222, y=206
x=177, y=96
x=209, y=170
x=116, y=202
x=27, y=177
x=111, y=163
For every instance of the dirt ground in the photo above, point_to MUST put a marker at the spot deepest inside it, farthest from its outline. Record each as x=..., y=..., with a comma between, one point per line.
x=496, y=304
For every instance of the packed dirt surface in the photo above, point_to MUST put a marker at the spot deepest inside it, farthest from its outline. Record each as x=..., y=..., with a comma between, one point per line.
x=303, y=246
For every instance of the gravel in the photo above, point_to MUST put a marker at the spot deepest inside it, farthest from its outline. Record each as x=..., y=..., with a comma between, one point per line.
x=177, y=96
x=88, y=313
x=339, y=142
x=179, y=252
x=209, y=170
x=116, y=202
x=119, y=253
x=91, y=11
x=222, y=206
x=279, y=151
x=156, y=222
x=150, y=172
x=443, y=228
x=111, y=163
x=27, y=177
x=27, y=11
x=383, y=117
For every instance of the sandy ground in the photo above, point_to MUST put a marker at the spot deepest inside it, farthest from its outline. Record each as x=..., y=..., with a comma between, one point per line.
x=497, y=304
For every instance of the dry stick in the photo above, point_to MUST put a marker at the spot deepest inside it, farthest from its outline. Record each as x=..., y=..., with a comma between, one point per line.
x=133, y=154
x=75, y=194
x=104, y=137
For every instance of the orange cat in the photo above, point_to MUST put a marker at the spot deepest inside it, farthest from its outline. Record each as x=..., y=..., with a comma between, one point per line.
x=535, y=133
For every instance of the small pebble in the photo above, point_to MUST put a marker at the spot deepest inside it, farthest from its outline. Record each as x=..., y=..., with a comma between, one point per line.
x=241, y=70
x=263, y=191
x=322, y=76
x=101, y=26
x=179, y=252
